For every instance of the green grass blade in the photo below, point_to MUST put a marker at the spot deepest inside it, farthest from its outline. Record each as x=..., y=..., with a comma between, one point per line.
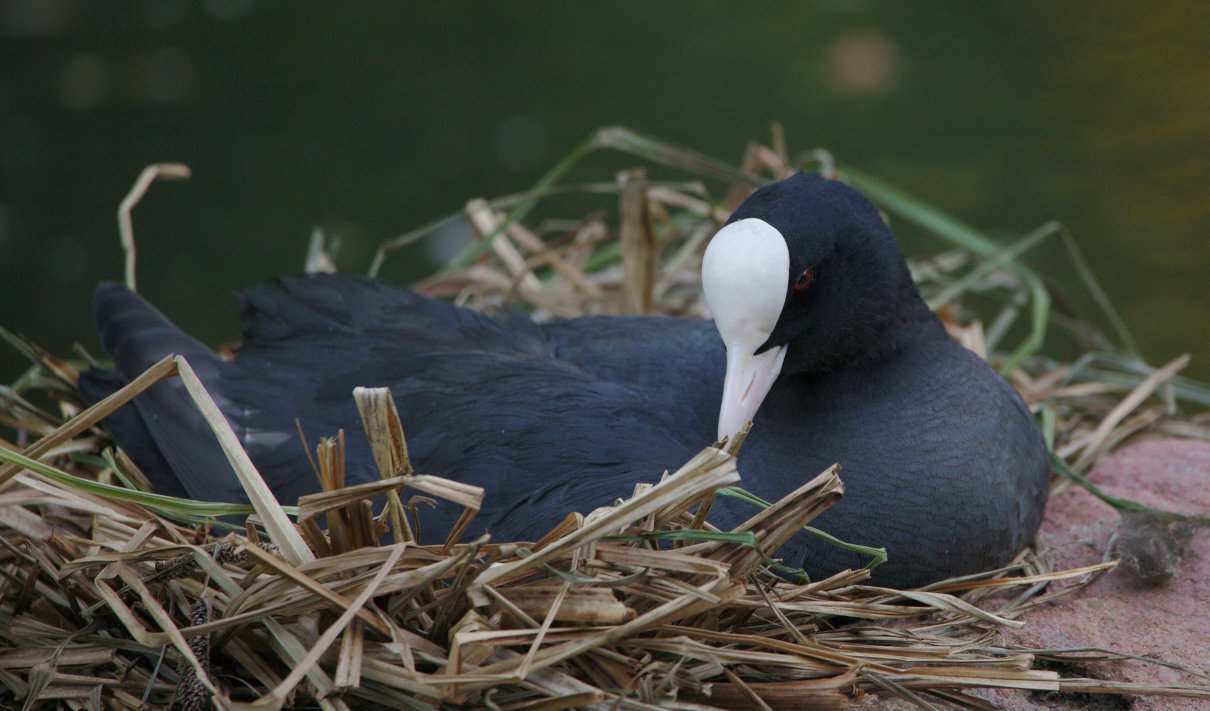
x=877, y=555
x=1098, y=294
x=925, y=216
x=744, y=538
x=159, y=502
x=1064, y=469
x=477, y=249
x=1049, y=423
x=670, y=155
x=612, y=138
x=1000, y=260
x=108, y=460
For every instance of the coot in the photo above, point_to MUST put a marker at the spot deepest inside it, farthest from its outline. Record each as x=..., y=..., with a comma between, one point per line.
x=819, y=336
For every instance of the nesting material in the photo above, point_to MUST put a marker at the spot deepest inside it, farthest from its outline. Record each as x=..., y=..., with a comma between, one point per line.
x=111, y=596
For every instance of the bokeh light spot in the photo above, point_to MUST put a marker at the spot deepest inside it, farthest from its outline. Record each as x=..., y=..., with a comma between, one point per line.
x=862, y=62
x=83, y=81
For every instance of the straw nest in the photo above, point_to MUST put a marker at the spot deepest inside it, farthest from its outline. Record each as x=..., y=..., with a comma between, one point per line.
x=112, y=596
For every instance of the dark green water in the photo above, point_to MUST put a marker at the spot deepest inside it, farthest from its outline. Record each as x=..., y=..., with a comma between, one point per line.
x=376, y=117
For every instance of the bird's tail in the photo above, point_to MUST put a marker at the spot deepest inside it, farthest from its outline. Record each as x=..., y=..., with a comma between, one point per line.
x=137, y=335
x=162, y=429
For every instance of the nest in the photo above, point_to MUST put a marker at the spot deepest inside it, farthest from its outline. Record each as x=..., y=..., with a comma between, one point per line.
x=111, y=595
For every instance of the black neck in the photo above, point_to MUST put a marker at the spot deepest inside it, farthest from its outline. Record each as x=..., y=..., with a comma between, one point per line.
x=910, y=321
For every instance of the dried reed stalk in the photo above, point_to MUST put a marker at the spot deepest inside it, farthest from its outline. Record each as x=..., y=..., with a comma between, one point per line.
x=101, y=584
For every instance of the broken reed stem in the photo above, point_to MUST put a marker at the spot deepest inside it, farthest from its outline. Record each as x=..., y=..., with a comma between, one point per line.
x=384, y=430
x=280, y=693
x=165, y=367
x=637, y=241
x=1136, y=397
x=488, y=227
x=166, y=171
x=574, y=619
x=281, y=531
x=710, y=469
x=647, y=612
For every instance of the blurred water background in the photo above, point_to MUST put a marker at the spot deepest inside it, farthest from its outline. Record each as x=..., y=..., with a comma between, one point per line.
x=371, y=118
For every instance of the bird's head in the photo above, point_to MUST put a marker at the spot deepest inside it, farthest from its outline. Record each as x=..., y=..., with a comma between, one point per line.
x=804, y=277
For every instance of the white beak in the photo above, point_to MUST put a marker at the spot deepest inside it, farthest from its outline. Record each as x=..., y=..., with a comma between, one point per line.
x=745, y=274
x=748, y=381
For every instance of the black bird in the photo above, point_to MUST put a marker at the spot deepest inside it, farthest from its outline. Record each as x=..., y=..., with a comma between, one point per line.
x=819, y=336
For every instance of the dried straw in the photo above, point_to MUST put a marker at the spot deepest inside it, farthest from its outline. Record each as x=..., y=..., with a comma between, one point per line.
x=110, y=595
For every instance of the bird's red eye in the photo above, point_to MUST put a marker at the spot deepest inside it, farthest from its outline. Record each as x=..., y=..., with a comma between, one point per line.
x=804, y=280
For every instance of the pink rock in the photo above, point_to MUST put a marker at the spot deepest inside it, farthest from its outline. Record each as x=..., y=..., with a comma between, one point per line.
x=1169, y=621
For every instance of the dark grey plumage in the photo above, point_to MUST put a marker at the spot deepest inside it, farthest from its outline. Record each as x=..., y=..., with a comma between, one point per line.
x=942, y=461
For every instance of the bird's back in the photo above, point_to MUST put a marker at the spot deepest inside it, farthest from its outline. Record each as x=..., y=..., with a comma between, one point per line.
x=486, y=401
